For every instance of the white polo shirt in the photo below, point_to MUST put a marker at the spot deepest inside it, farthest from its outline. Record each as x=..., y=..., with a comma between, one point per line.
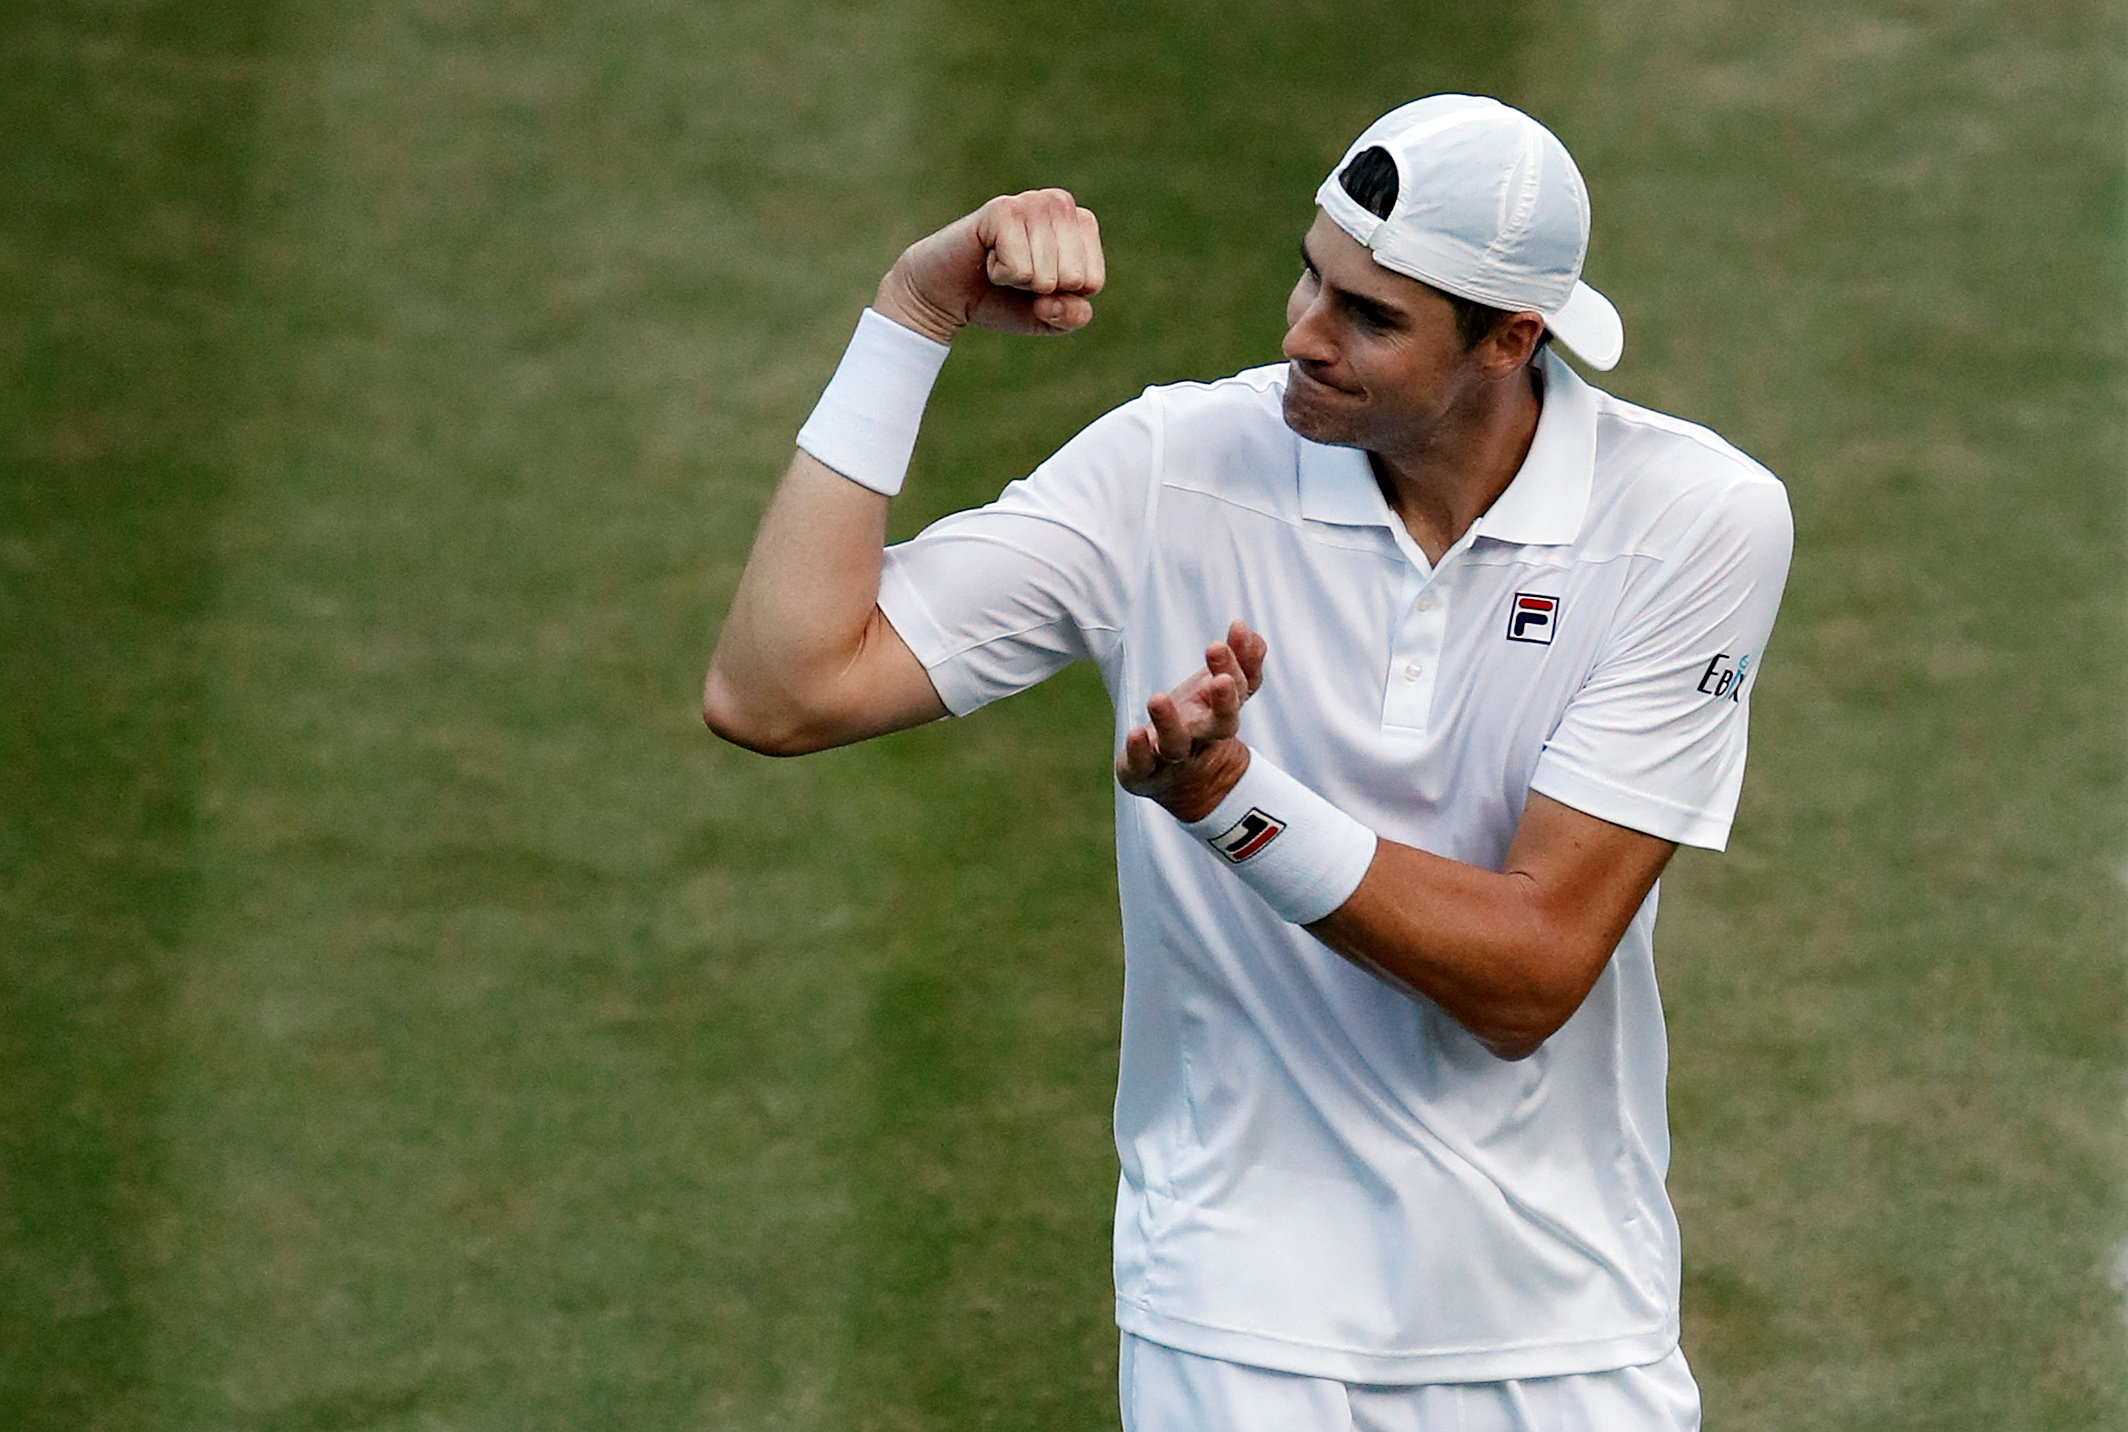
x=1324, y=1173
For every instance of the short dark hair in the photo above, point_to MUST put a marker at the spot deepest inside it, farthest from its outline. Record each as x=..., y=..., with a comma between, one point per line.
x=1371, y=180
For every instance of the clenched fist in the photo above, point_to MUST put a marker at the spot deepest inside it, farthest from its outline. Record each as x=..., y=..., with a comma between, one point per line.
x=1023, y=263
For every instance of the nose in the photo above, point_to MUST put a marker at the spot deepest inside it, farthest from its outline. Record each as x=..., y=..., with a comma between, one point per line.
x=1306, y=339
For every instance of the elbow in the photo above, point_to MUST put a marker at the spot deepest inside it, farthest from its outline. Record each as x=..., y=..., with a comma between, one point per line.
x=765, y=728
x=1513, y=1046
x=1512, y=1035
x=1514, y=1031
x=1557, y=978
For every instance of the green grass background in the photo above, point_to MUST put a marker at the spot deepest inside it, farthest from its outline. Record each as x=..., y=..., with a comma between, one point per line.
x=409, y=1018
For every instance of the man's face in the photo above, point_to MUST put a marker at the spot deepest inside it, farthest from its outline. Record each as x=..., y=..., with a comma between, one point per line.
x=1375, y=358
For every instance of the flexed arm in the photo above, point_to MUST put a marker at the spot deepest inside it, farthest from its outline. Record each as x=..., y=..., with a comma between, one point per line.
x=806, y=660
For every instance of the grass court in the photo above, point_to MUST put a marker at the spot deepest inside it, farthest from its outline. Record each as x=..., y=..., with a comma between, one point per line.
x=411, y=1019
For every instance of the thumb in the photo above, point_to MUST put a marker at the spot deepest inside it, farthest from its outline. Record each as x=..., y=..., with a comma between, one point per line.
x=1008, y=310
x=1064, y=312
x=1137, y=759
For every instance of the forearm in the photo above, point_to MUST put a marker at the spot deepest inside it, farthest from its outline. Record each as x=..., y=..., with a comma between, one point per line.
x=1487, y=946
x=1508, y=954
x=1480, y=944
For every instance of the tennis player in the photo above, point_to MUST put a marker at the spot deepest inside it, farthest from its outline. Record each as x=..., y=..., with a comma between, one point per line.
x=1426, y=655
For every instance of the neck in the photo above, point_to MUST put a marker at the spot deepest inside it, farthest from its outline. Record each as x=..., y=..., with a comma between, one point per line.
x=1445, y=479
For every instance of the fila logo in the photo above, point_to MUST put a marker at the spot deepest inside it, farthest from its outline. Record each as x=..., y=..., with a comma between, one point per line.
x=1724, y=677
x=1533, y=618
x=1247, y=836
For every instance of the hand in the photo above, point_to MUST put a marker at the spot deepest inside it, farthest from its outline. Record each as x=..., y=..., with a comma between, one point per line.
x=1023, y=263
x=1188, y=755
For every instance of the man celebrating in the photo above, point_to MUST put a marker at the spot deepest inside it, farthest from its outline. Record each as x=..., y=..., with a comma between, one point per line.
x=1482, y=640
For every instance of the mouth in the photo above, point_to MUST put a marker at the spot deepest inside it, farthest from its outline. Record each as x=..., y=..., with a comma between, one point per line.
x=1297, y=375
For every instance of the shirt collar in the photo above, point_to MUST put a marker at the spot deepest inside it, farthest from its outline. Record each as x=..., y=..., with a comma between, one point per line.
x=1337, y=485
x=1544, y=505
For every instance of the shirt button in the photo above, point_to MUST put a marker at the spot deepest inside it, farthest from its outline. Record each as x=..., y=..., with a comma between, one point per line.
x=1413, y=671
x=1426, y=602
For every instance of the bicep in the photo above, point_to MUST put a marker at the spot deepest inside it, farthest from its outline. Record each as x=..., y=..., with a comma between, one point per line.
x=890, y=690
x=881, y=687
x=1586, y=876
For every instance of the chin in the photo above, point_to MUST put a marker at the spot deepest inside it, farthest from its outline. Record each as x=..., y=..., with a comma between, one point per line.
x=1313, y=423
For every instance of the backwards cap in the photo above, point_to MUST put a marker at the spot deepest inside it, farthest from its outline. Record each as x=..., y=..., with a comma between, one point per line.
x=1489, y=207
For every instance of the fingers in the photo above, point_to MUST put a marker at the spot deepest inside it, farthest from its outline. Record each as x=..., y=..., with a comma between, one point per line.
x=1042, y=242
x=1225, y=693
x=1189, y=723
x=1240, y=656
x=1042, y=250
x=1010, y=259
x=1096, y=258
x=1080, y=265
x=1221, y=659
x=1171, y=733
x=1139, y=759
x=1249, y=651
x=1202, y=710
x=1023, y=263
x=1224, y=698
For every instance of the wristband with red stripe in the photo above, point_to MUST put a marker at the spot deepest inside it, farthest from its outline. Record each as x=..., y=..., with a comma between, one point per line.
x=1302, y=854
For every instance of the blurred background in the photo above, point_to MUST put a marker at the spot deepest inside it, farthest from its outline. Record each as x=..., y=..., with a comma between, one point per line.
x=410, y=1018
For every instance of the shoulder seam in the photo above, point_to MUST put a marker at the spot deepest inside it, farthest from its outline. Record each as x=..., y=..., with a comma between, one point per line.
x=1699, y=434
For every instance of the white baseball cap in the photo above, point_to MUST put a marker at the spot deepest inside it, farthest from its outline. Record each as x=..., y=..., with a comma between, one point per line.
x=1489, y=207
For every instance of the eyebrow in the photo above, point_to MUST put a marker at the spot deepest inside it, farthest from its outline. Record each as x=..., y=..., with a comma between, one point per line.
x=1383, y=314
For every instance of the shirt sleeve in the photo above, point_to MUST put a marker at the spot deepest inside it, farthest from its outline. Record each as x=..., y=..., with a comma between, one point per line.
x=1655, y=739
x=995, y=599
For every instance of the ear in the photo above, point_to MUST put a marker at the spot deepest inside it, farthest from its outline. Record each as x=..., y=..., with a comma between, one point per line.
x=1508, y=348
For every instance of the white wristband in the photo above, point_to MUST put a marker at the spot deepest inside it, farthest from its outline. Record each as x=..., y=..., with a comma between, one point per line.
x=864, y=425
x=1302, y=854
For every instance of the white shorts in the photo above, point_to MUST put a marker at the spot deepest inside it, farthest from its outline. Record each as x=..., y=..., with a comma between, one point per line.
x=1169, y=1391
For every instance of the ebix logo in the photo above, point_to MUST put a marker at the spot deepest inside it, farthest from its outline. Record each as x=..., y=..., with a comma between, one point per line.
x=1724, y=677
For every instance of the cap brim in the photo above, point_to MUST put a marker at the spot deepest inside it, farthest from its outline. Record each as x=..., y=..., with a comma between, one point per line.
x=1590, y=328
